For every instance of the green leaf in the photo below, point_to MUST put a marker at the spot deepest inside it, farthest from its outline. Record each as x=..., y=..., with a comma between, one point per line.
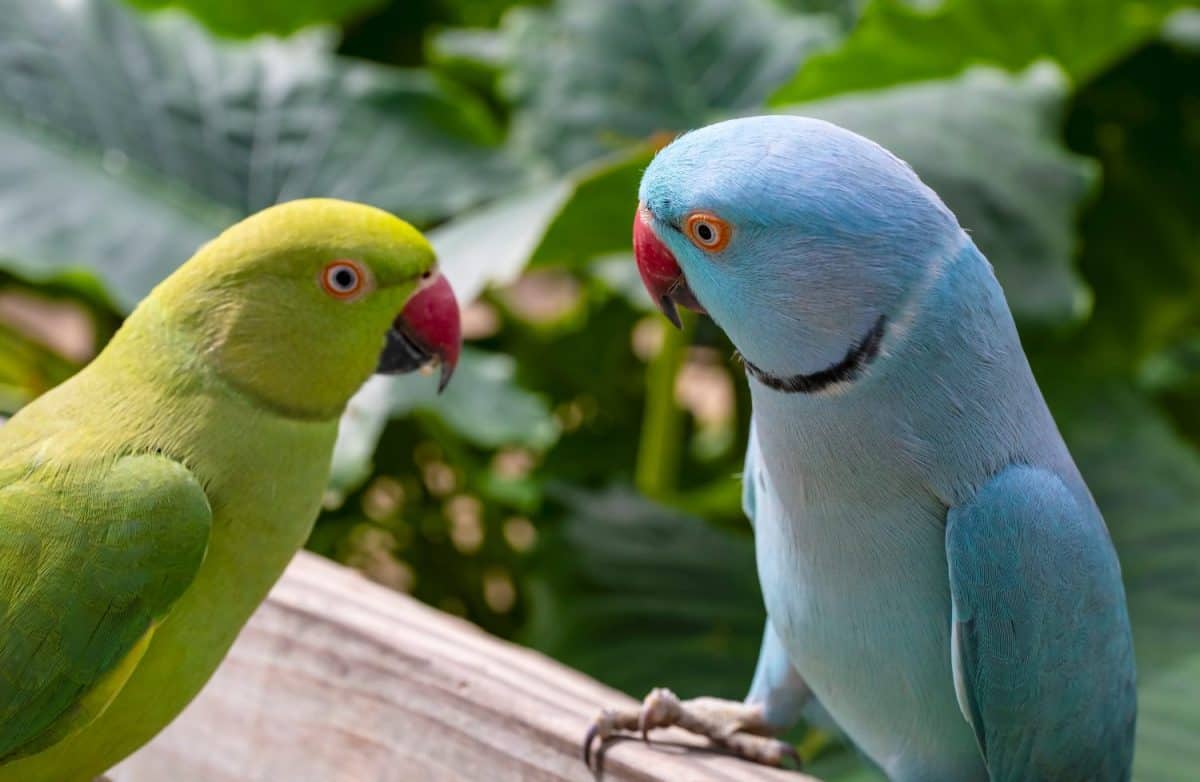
x=1149, y=491
x=641, y=596
x=1183, y=29
x=1167, y=723
x=263, y=16
x=598, y=218
x=988, y=144
x=484, y=405
x=897, y=42
x=588, y=78
x=482, y=50
x=482, y=13
x=847, y=11
x=1141, y=237
x=126, y=143
x=27, y=369
x=493, y=244
x=567, y=222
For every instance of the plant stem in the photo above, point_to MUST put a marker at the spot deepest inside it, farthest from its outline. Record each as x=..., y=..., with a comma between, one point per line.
x=661, y=446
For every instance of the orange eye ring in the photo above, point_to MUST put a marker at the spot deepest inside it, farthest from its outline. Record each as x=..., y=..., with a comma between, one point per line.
x=707, y=231
x=344, y=279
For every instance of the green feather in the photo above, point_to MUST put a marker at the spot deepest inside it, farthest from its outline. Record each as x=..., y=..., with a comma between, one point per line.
x=91, y=564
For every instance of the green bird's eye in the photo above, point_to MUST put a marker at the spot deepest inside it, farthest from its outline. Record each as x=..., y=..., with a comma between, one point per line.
x=343, y=279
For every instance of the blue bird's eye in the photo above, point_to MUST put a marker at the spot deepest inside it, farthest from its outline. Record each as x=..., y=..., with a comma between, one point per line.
x=707, y=231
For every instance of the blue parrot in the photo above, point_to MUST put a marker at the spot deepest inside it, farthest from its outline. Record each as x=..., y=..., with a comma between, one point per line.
x=938, y=579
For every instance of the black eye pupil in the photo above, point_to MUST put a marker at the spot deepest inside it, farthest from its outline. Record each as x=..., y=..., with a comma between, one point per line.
x=705, y=232
x=343, y=278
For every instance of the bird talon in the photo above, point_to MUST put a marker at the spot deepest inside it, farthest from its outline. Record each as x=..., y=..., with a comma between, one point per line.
x=737, y=728
x=609, y=722
x=660, y=709
x=588, y=740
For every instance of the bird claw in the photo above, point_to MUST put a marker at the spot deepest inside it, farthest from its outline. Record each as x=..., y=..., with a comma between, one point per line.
x=610, y=722
x=736, y=728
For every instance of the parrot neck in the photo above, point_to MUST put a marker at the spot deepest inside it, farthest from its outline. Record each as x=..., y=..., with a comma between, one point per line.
x=950, y=375
x=858, y=357
x=956, y=302
x=195, y=347
x=886, y=334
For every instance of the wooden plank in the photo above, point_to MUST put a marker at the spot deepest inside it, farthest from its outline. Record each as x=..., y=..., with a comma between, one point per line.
x=336, y=679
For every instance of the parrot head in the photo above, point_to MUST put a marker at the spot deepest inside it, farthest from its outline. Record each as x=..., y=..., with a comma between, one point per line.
x=300, y=303
x=802, y=240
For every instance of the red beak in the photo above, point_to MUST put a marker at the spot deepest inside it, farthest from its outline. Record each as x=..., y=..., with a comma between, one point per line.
x=426, y=330
x=660, y=271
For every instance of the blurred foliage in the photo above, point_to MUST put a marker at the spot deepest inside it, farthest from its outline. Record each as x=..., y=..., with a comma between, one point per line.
x=113, y=127
x=953, y=132
x=1065, y=135
x=263, y=16
x=27, y=369
x=899, y=41
x=603, y=574
x=585, y=77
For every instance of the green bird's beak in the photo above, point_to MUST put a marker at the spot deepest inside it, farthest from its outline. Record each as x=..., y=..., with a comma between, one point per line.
x=426, y=331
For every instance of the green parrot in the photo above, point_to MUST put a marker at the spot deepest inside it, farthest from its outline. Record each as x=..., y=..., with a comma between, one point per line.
x=149, y=503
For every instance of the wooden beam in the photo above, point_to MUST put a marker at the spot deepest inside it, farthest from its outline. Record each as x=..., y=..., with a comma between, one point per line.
x=337, y=679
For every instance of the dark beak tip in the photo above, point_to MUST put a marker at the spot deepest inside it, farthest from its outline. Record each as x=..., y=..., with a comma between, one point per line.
x=667, y=306
x=444, y=378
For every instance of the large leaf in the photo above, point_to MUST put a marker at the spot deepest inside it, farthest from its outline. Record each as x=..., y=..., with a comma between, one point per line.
x=642, y=596
x=125, y=143
x=1182, y=29
x=988, y=144
x=845, y=10
x=1149, y=490
x=569, y=221
x=263, y=16
x=1167, y=723
x=493, y=244
x=27, y=369
x=588, y=77
x=483, y=405
x=1141, y=238
x=898, y=41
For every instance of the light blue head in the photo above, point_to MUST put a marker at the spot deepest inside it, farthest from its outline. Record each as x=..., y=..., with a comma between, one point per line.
x=798, y=237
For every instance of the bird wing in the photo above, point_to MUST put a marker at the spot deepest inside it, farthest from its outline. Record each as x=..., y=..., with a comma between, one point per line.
x=87, y=569
x=1041, y=644
x=753, y=479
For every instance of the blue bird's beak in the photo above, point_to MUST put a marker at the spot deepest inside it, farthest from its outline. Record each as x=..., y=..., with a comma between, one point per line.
x=661, y=273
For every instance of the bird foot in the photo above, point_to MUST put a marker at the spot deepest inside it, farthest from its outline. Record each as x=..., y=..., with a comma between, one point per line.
x=739, y=729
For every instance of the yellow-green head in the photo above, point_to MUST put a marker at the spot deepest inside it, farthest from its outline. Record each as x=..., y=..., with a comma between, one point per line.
x=300, y=303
